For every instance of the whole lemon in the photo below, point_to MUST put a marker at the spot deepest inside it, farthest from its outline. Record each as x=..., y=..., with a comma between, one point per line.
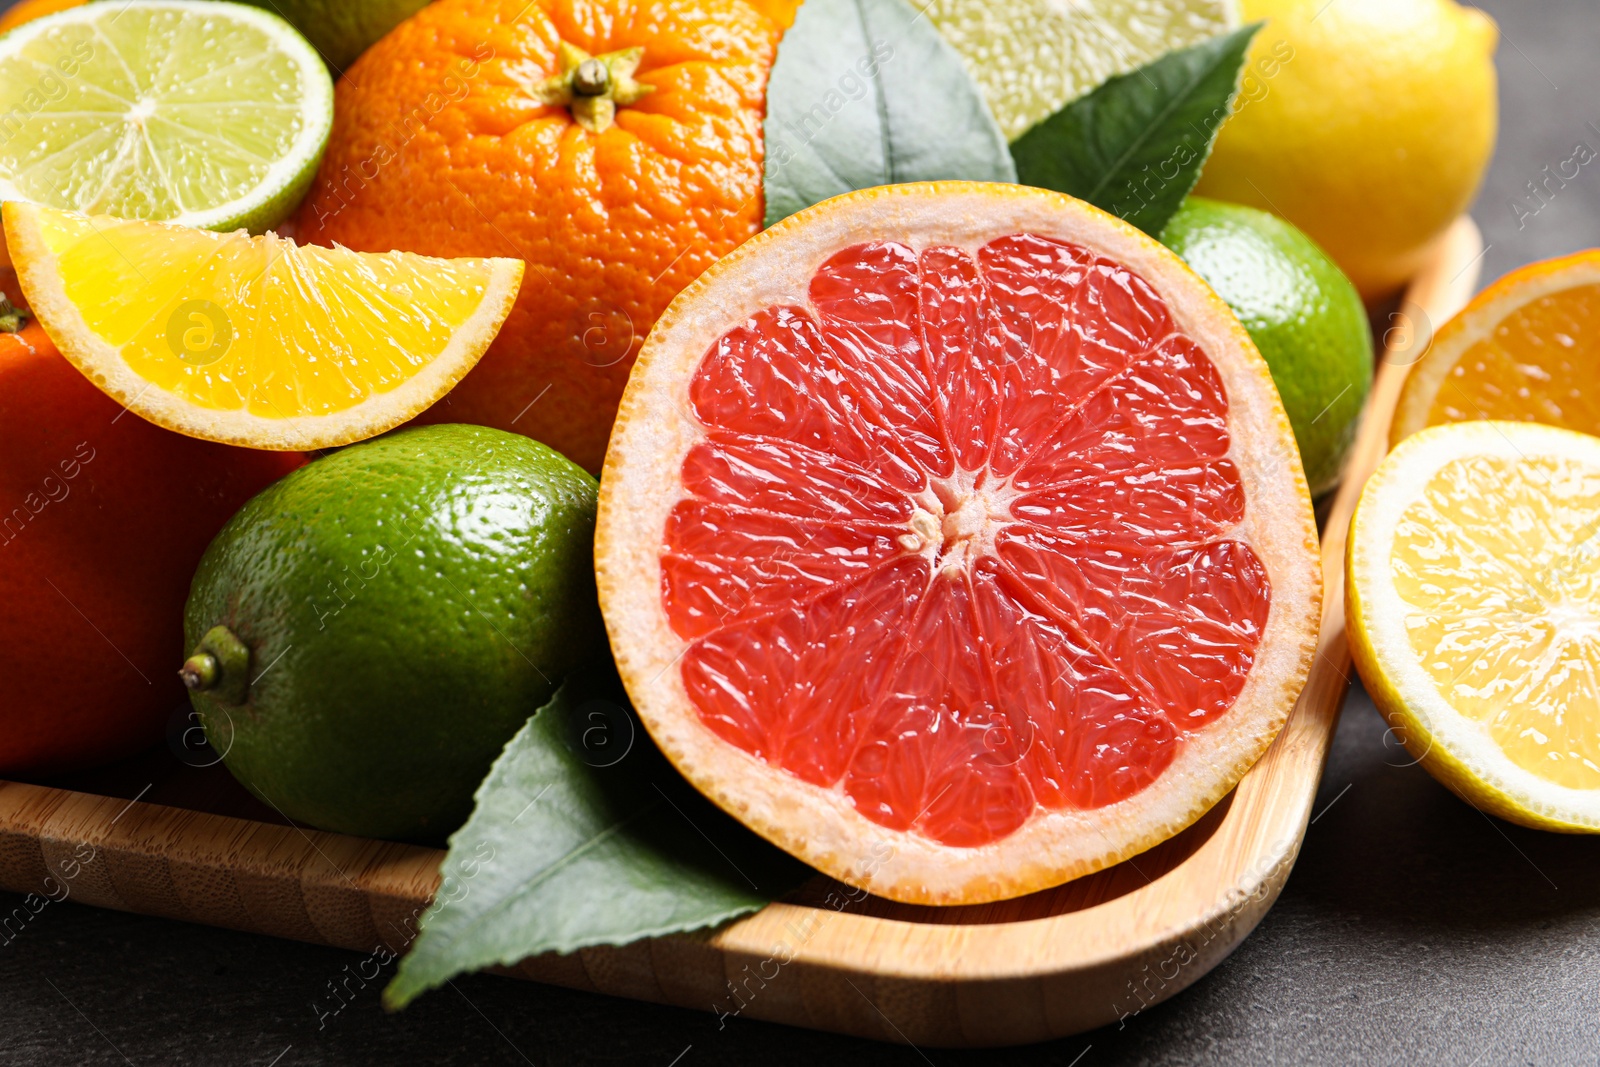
x=1366, y=123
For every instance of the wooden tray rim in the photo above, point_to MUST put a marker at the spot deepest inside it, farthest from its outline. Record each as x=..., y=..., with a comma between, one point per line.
x=1224, y=886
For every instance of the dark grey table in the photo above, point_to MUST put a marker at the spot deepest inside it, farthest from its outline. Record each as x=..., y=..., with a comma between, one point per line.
x=1414, y=930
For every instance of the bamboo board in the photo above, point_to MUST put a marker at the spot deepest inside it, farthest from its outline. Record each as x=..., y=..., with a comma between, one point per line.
x=162, y=838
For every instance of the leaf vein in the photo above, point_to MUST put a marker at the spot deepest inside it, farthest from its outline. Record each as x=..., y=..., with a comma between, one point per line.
x=566, y=859
x=1178, y=101
x=885, y=137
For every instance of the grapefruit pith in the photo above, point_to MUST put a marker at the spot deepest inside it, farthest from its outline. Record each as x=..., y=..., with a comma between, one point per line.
x=953, y=538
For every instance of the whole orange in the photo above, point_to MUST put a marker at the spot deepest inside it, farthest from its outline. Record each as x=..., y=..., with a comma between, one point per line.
x=446, y=142
x=103, y=518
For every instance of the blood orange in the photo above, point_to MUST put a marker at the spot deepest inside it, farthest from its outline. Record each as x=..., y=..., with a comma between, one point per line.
x=952, y=536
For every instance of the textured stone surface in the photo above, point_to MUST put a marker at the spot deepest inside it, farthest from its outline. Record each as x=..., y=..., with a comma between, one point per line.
x=1414, y=930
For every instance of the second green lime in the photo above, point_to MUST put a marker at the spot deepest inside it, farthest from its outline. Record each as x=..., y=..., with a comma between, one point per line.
x=342, y=29
x=1302, y=313
x=1033, y=57
x=369, y=631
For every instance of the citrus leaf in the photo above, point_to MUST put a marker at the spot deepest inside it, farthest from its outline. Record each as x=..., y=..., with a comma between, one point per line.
x=1135, y=146
x=584, y=835
x=864, y=93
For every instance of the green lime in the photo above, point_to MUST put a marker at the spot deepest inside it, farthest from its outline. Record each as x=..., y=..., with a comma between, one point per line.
x=212, y=115
x=1033, y=57
x=342, y=29
x=371, y=629
x=1303, y=314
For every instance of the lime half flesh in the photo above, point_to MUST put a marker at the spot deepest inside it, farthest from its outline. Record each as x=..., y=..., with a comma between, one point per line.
x=1033, y=57
x=208, y=114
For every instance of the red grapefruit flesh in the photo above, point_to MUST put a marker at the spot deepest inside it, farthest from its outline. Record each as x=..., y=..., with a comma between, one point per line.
x=953, y=538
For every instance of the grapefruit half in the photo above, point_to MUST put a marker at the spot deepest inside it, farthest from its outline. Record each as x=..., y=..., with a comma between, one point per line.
x=952, y=536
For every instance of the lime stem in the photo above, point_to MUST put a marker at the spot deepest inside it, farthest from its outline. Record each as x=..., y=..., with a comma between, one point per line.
x=219, y=666
x=200, y=671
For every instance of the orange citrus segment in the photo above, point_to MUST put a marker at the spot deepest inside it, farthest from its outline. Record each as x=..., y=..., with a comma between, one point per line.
x=254, y=340
x=952, y=536
x=1537, y=365
x=1520, y=351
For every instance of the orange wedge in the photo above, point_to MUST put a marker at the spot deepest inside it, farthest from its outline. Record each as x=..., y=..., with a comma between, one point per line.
x=255, y=341
x=1523, y=350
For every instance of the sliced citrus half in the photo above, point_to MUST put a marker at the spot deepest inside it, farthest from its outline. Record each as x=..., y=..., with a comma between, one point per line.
x=1033, y=57
x=202, y=112
x=952, y=537
x=254, y=340
x=1523, y=350
x=1473, y=579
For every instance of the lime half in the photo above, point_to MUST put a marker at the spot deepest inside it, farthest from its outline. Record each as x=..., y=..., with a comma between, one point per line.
x=1033, y=57
x=209, y=114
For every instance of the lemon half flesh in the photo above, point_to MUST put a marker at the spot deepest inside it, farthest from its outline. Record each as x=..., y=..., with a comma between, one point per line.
x=1473, y=610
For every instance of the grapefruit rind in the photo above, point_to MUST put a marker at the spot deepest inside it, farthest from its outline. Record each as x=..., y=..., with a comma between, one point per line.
x=1455, y=750
x=102, y=363
x=1476, y=322
x=639, y=485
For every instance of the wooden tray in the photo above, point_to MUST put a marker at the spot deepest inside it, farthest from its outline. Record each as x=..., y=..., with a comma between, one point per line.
x=160, y=838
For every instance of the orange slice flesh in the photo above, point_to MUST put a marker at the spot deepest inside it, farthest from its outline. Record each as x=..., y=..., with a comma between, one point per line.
x=951, y=536
x=255, y=341
x=1522, y=350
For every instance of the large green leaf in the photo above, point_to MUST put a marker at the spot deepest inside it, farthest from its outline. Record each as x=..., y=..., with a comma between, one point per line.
x=585, y=835
x=1135, y=146
x=866, y=92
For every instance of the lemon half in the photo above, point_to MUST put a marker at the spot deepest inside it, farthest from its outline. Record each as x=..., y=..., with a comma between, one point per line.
x=1473, y=610
x=1033, y=57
